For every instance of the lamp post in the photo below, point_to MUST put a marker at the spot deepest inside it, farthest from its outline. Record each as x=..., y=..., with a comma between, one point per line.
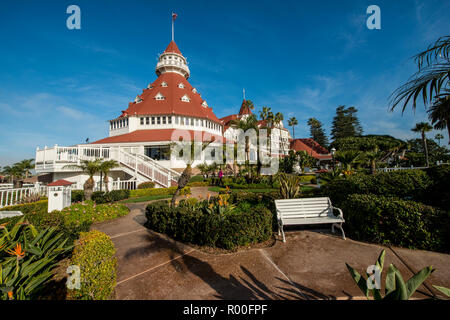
x=333, y=153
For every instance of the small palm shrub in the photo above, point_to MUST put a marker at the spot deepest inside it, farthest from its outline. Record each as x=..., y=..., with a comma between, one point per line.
x=395, y=287
x=28, y=258
x=289, y=186
x=94, y=255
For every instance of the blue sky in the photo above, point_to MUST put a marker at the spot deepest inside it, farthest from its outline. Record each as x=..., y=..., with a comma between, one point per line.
x=301, y=58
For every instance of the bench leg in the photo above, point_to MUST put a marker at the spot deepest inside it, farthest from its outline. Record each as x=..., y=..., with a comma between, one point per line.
x=339, y=225
x=280, y=226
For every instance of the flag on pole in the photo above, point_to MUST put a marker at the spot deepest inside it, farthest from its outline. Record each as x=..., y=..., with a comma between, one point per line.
x=174, y=16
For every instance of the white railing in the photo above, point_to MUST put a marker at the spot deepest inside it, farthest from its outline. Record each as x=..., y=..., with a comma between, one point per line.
x=126, y=184
x=11, y=185
x=10, y=197
x=140, y=166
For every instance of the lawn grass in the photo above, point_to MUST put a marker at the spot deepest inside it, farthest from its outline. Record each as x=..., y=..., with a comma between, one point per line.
x=146, y=198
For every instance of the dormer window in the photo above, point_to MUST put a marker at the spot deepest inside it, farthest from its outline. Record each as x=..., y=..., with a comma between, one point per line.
x=159, y=96
x=149, y=86
x=204, y=104
x=185, y=98
x=164, y=84
x=194, y=90
x=181, y=85
x=137, y=99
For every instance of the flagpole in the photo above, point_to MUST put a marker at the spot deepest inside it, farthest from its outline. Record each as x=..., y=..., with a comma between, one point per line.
x=172, y=26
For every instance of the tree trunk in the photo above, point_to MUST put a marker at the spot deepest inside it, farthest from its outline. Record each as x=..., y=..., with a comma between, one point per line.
x=374, y=168
x=174, y=198
x=424, y=139
x=106, y=180
x=88, y=188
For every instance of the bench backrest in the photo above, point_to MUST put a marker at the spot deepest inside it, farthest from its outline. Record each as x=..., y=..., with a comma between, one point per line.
x=304, y=208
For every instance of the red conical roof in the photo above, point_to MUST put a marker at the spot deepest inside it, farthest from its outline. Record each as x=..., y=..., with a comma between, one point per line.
x=172, y=47
x=172, y=103
x=244, y=108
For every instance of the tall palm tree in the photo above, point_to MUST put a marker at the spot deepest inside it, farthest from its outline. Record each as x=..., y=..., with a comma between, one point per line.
x=439, y=137
x=105, y=168
x=292, y=122
x=431, y=81
x=423, y=128
x=90, y=167
x=25, y=166
x=439, y=113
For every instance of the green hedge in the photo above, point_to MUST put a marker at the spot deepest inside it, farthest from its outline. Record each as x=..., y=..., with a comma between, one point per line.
x=407, y=184
x=158, y=192
x=395, y=221
x=77, y=195
x=39, y=208
x=438, y=194
x=111, y=196
x=94, y=254
x=146, y=185
x=236, y=228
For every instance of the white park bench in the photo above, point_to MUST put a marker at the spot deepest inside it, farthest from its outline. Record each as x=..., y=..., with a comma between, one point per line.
x=307, y=211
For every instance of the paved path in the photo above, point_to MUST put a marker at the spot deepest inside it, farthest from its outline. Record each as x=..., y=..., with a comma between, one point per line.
x=310, y=265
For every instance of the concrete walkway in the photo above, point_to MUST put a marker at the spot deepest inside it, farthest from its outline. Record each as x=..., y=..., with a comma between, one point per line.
x=310, y=265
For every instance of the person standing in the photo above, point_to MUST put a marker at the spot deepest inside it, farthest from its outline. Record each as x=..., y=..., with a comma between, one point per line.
x=220, y=177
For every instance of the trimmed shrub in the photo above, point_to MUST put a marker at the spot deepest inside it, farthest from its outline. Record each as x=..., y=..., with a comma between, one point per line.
x=158, y=192
x=94, y=254
x=197, y=178
x=406, y=184
x=390, y=220
x=198, y=184
x=112, y=196
x=198, y=226
x=146, y=185
x=438, y=194
x=38, y=209
x=77, y=195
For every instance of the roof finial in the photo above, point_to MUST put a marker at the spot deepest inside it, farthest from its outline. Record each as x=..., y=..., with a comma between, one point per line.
x=174, y=16
x=243, y=90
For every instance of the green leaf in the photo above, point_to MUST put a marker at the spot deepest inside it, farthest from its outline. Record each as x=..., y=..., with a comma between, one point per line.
x=390, y=281
x=444, y=290
x=360, y=281
x=400, y=292
x=380, y=260
x=415, y=281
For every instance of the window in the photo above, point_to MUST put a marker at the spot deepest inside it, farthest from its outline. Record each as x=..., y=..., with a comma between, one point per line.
x=147, y=120
x=142, y=121
x=149, y=86
x=158, y=152
x=181, y=85
x=204, y=104
x=158, y=120
x=159, y=96
x=164, y=84
x=127, y=122
x=164, y=120
x=169, y=120
x=194, y=90
x=192, y=121
x=196, y=122
x=176, y=120
x=185, y=98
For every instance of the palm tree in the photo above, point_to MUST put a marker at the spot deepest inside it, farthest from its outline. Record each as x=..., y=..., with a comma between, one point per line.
x=439, y=114
x=439, y=137
x=431, y=81
x=372, y=157
x=423, y=127
x=105, y=168
x=90, y=167
x=12, y=172
x=25, y=166
x=292, y=122
x=347, y=158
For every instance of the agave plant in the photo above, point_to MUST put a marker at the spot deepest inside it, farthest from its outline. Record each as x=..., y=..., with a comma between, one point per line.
x=289, y=186
x=27, y=259
x=395, y=287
